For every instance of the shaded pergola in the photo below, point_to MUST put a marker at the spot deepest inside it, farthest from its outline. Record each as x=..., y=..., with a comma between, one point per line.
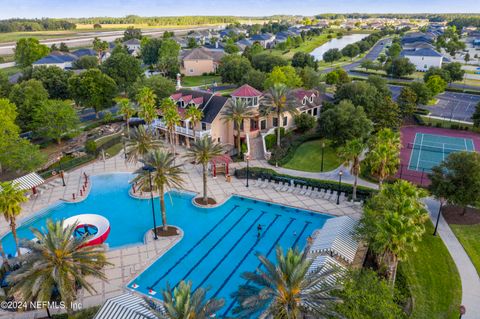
x=29, y=182
x=220, y=165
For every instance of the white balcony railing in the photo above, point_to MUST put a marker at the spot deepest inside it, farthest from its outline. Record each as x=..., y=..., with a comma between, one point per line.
x=182, y=130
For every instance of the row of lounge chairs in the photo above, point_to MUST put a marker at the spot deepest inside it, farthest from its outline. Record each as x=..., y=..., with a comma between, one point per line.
x=313, y=192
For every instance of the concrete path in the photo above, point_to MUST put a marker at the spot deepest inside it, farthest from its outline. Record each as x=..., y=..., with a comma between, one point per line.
x=468, y=274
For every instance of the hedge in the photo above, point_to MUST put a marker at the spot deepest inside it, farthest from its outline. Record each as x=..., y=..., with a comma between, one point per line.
x=271, y=175
x=67, y=165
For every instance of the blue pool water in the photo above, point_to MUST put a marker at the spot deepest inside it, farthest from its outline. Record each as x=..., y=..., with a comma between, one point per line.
x=219, y=244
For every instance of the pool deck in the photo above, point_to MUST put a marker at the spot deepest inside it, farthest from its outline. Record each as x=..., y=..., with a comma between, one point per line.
x=131, y=261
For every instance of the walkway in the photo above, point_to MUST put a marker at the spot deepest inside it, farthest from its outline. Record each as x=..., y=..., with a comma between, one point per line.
x=468, y=273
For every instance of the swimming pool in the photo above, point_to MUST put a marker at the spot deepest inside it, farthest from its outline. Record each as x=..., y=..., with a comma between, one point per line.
x=219, y=244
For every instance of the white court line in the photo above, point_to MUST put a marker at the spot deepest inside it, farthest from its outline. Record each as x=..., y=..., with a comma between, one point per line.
x=413, y=149
x=419, y=152
x=443, y=151
x=466, y=147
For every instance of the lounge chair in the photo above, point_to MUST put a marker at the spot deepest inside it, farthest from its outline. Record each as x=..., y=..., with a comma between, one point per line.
x=278, y=186
x=308, y=191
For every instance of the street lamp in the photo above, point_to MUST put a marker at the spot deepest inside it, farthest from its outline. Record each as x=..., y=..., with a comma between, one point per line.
x=438, y=216
x=339, y=186
x=59, y=158
x=323, y=148
x=124, y=147
x=248, y=168
x=150, y=169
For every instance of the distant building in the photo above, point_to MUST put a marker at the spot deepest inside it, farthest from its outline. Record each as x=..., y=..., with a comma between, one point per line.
x=423, y=59
x=133, y=46
x=200, y=60
x=266, y=40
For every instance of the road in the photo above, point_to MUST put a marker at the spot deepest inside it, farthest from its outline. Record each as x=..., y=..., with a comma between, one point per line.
x=86, y=39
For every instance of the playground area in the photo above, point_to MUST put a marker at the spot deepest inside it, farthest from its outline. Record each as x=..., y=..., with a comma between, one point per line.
x=426, y=147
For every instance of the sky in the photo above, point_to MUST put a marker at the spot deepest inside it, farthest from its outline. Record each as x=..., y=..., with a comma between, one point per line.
x=118, y=8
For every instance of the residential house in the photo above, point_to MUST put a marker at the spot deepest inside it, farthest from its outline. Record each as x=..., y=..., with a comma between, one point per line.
x=266, y=40
x=133, y=46
x=423, y=59
x=212, y=123
x=417, y=37
x=63, y=60
x=243, y=43
x=225, y=33
x=200, y=60
x=181, y=41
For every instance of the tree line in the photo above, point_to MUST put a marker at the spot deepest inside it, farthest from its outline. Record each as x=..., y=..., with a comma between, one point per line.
x=44, y=24
x=133, y=19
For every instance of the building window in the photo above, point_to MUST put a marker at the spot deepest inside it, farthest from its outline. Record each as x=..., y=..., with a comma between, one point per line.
x=253, y=125
x=285, y=121
x=315, y=111
x=263, y=124
x=304, y=100
x=204, y=126
x=219, y=140
x=311, y=99
x=191, y=71
x=275, y=122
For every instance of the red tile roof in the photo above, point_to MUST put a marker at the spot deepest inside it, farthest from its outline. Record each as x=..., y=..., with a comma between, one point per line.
x=176, y=96
x=246, y=91
x=300, y=93
x=198, y=100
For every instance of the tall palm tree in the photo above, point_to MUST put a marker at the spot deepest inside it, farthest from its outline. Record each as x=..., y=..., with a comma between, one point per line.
x=57, y=262
x=286, y=290
x=171, y=118
x=383, y=156
x=237, y=111
x=351, y=154
x=182, y=303
x=195, y=115
x=279, y=100
x=11, y=199
x=165, y=175
x=127, y=110
x=140, y=143
x=147, y=100
x=202, y=152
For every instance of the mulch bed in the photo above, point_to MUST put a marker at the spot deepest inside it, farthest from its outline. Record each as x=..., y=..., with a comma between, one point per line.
x=453, y=215
x=171, y=231
x=210, y=201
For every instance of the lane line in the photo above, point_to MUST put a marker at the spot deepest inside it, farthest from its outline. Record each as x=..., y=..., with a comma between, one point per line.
x=419, y=152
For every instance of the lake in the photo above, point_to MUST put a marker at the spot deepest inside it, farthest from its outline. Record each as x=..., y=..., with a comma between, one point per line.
x=336, y=44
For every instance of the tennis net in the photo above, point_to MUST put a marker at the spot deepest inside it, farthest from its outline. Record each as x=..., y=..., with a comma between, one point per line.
x=436, y=149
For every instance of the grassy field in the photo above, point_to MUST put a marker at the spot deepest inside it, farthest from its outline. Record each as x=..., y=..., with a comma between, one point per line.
x=308, y=46
x=200, y=80
x=308, y=156
x=433, y=279
x=468, y=235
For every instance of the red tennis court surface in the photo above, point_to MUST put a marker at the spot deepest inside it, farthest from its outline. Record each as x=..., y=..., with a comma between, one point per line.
x=408, y=134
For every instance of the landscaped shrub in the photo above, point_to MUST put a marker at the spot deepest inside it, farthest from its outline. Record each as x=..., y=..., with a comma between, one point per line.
x=91, y=147
x=270, y=174
x=271, y=139
x=304, y=122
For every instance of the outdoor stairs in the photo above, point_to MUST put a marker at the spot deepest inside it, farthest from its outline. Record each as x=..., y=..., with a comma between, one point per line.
x=256, y=148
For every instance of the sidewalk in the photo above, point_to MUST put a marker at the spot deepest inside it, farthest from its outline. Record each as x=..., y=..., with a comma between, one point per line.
x=468, y=273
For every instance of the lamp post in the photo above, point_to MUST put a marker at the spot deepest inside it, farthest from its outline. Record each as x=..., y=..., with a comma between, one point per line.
x=323, y=149
x=339, y=186
x=124, y=146
x=438, y=216
x=248, y=168
x=61, y=170
x=150, y=169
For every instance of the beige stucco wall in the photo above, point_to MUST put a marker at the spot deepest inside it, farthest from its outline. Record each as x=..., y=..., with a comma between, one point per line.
x=221, y=129
x=198, y=67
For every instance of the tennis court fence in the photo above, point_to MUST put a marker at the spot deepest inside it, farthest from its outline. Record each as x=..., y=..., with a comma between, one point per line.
x=419, y=176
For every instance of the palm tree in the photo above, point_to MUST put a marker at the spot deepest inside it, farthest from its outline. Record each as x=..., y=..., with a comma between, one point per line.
x=165, y=175
x=147, y=100
x=393, y=223
x=350, y=154
x=171, y=118
x=185, y=304
x=11, y=198
x=202, y=151
x=287, y=289
x=383, y=156
x=140, y=143
x=127, y=110
x=236, y=111
x=279, y=100
x=58, y=261
x=195, y=115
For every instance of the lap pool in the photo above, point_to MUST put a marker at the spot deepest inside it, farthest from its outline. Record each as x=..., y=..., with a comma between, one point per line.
x=219, y=244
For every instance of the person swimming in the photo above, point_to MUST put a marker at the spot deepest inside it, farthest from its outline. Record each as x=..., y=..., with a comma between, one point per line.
x=259, y=230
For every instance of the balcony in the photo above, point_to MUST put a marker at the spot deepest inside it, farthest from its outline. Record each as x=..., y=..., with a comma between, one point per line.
x=182, y=130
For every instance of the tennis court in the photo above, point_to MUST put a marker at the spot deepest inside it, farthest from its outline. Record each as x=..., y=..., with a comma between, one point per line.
x=428, y=150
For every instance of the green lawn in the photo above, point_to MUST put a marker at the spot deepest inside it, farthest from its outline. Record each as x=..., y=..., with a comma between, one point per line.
x=433, y=279
x=308, y=156
x=469, y=237
x=200, y=80
x=11, y=71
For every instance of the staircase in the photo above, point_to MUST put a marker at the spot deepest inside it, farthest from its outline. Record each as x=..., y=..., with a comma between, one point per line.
x=256, y=148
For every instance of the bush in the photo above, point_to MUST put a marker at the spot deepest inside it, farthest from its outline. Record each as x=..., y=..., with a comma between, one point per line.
x=271, y=175
x=304, y=122
x=91, y=147
x=271, y=139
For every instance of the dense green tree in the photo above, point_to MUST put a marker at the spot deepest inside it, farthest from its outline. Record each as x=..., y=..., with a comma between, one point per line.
x=386, y=114
x=168, y=62
x=455, y=71
x=5, y=85
x=399, y=67
x=436, y=84
x=233, y=67
x=332, y=55
x=29, y=50
x=255, y=79
x=351, y=50
x=476, y=116
x=407, y=101
x=394, y=50
x=337, y=77
x=86, y=62
x=457, y=179
x=64, y=47
x=191, y=43
x=92, y=88
x=265, y=61
x=365, y=295
x=441, y=72
x=100, y=46
x=344, y=122
x=231, y=48
x=360, y=93
x=383, y=156
x=310, y=78
x=368, y=64
x=302, y=59
x=54, y=80
x=149, y=50
x=27, y=96
x=380, y=84
x=423, y=93
x=255, y=49
x=162, y=87
x=132, y=33
x=304, y=122
x=55, y=119
x=283, y=75
x=124, y=69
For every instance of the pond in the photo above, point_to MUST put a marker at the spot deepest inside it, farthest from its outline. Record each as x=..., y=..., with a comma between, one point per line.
x=336, y=44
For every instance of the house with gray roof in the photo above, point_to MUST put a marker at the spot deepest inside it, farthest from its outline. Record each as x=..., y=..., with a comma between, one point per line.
x=423, y=58
x=133, y=46
x=63, y=60
x=200, y=60
x=266, y=40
